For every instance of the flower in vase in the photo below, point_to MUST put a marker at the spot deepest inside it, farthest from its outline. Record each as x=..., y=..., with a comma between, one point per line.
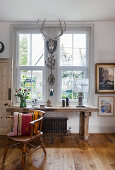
x=22, y=93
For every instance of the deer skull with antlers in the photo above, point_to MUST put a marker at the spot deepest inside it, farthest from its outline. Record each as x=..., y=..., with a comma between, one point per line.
x=52, y=43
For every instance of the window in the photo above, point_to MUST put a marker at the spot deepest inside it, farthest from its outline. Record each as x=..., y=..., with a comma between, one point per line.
x=73, y=63
x=30, y=64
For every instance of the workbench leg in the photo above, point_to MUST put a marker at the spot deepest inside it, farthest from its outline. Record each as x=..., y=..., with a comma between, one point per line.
x=86, y=125
x=81, y=125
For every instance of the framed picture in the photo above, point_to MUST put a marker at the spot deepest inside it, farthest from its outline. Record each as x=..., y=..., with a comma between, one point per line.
x=105, y=78
x=105, y=104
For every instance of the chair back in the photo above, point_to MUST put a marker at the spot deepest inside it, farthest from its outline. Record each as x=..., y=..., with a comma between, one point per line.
x=27, y=124
x=36, y=125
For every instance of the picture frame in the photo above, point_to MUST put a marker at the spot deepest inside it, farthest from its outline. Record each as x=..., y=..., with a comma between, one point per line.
x=106, y=106
x=105, y=78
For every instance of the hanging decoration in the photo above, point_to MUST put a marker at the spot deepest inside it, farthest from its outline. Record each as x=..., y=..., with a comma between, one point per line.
x=51, y=47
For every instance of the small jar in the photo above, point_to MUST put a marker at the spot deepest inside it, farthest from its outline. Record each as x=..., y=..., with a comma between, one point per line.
x=63, y=103
x=67, y=101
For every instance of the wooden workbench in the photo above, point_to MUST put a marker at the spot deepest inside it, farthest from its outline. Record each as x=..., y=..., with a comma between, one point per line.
x=85, y=112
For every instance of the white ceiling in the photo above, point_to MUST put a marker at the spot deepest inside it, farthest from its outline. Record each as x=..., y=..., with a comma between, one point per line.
x=52, y=10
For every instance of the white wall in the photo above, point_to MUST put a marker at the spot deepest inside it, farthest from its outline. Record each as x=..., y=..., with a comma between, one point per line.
x=104, y=51
x=5, y=38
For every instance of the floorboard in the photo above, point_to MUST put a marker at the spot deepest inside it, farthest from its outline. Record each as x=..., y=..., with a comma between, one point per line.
x=65, y=153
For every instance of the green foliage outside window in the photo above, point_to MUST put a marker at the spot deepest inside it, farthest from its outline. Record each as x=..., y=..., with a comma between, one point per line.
x=23, y=51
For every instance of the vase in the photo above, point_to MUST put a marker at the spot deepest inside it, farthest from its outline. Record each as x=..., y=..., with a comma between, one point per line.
x=22, y=102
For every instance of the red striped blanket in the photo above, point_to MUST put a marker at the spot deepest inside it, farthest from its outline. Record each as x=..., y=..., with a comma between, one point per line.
x=22, y=123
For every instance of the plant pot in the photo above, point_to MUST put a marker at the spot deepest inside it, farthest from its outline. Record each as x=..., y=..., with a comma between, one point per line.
x=22, y=102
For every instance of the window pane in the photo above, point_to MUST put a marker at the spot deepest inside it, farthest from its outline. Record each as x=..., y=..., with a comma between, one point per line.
x=68, y=77
x=33, y=81
x=24, y=41
x=79, y=50
x=31, y=50
x=37, y=50
x=66, y=56
x=66, y=40
x=26, y=81
x=66, y=49
x=37, y=85
x=73, y=50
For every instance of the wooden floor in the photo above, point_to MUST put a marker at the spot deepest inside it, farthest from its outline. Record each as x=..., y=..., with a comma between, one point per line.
x=66, y=153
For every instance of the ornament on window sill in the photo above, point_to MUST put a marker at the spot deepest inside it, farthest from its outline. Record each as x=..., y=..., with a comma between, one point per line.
x=48, y=103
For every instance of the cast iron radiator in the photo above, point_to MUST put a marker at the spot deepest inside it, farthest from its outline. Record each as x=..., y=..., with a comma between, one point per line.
x=54, y=125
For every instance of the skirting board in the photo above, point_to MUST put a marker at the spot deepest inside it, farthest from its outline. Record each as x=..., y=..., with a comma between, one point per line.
x=93, y=129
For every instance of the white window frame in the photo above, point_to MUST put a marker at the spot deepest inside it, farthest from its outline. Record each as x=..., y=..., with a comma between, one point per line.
x=86, y=68
x=18, y=68
x=72, y=27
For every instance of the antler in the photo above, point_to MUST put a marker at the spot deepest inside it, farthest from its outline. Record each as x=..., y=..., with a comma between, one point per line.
x=61, y=28
x=42, y=28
